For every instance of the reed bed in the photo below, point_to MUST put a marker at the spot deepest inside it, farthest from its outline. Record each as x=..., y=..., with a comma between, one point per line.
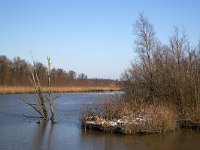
x=130, y=118
x=68, y=89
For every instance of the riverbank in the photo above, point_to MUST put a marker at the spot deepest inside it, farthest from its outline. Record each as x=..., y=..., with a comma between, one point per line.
x=64, y=89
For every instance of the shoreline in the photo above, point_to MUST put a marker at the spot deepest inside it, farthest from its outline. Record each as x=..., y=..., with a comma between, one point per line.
x=66, y=89
x=119, y=127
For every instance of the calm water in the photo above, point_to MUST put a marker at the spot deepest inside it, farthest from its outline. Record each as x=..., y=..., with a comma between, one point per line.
x=19, y=132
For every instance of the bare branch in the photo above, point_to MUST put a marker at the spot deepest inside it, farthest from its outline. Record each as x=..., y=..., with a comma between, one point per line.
x=25, y=100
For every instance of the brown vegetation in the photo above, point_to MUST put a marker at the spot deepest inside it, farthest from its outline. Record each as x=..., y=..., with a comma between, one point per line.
x=121, y=116
x=14, y=73
x=14, y=78
x=167, y=73
x=163, y=83
x=62, y=89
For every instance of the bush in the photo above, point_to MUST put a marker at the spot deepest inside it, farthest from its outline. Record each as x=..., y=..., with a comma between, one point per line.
x=123, y=116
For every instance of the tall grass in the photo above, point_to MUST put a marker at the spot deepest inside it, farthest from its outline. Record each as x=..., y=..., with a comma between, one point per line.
x=139, y=117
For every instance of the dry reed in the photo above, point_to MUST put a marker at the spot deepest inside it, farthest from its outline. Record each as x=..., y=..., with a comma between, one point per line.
x=28, y=89
x=126, y=117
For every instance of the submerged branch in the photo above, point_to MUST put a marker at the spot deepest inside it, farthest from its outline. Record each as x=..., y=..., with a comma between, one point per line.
x=25, y=100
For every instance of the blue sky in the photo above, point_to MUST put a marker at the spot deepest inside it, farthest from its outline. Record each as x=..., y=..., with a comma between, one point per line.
x=89, y=36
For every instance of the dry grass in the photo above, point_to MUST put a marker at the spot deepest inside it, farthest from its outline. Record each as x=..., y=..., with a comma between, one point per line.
x=27, y=89
x=162, y=117
x=190, y=113
x=141, y=117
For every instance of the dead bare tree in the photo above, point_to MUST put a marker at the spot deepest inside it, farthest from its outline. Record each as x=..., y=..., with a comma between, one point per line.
x=50, y=99
x=40, y=103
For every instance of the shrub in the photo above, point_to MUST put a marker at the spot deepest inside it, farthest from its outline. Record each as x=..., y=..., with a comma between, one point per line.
x=123, y=116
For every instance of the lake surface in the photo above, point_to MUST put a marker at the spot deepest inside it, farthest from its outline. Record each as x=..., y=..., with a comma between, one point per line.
x=19, y=132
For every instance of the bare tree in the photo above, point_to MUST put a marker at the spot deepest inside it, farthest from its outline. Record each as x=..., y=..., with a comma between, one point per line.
x=51, y=104
x=82, y=76
x=169, y=73
x=40, y=104
x=145, y=47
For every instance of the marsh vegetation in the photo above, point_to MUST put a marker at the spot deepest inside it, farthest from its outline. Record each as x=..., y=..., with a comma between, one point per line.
x=14, y=79
x=161, y=87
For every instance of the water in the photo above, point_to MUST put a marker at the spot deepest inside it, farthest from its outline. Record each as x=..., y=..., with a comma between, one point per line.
x=19, y=132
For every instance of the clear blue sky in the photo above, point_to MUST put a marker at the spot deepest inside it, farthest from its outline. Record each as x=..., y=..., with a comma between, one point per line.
x=89, y=36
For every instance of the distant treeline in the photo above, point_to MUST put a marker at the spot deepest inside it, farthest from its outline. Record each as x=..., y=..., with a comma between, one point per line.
x=14, y=73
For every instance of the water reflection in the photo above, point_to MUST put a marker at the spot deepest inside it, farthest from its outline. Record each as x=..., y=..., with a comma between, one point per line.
x=181, y=139
x=44, y=131
x=50, y=136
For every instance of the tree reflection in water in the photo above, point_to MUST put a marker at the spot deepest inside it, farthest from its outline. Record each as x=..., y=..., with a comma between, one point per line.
x=43, y=137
